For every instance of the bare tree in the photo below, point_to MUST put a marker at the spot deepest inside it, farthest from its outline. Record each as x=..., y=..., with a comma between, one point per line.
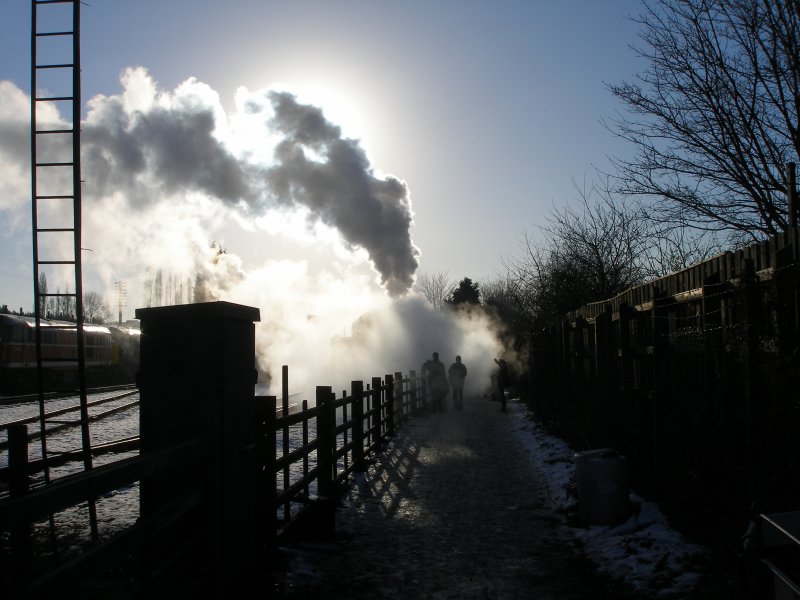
x=62, y=305
x=588, y=251
x=436, y=288
x=149, y=301
x=162, y=288
x=676, y=248
x=42, y=299
x=95, y=309
x=714, y=118
x=158, y=293
x=512, y=307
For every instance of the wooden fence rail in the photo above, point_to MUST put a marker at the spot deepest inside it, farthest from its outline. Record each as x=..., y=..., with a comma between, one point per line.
x=348, y=430
x=24, y=507
x=336, y=438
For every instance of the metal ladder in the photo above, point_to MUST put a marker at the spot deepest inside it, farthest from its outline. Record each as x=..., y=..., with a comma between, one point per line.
x=56, y=200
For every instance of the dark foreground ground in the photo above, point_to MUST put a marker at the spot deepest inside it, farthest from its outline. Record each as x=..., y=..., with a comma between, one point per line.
x=454, y=509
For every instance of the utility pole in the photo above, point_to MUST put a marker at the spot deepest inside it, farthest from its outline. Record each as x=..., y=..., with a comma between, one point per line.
x=122, y=297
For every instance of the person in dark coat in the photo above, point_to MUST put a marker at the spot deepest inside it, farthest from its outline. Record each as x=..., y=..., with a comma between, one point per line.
x=457, y=373
x=434, y=374
x=502, y=380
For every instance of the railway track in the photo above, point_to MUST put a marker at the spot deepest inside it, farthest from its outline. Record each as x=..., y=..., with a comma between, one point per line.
x=23, y=398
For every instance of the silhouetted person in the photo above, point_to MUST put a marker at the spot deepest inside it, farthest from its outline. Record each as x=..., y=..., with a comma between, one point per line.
x=433, y=372
x=457, y=373
x=502, y=381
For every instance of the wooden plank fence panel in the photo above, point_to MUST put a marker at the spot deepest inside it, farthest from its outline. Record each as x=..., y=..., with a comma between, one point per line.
x=709, y=353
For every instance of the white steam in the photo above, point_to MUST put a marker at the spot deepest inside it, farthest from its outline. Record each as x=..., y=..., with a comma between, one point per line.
x=167, y=172
x=148, y=144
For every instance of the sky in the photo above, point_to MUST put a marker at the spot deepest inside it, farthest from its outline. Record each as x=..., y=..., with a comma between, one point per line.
x=334, y=149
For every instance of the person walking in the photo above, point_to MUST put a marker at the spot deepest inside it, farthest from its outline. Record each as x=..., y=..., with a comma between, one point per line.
x=433, y=372
x=457, y=373
x=502, y=381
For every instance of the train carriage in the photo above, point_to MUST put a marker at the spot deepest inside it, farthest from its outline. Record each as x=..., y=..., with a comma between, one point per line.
x=111, y=353
x=124, y=352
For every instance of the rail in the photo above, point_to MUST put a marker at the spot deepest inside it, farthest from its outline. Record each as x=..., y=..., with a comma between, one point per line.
x=772, y=546
x=70, y=409
x=50, y=395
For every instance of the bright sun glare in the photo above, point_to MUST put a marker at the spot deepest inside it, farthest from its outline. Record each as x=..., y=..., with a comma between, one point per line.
x=339, y=108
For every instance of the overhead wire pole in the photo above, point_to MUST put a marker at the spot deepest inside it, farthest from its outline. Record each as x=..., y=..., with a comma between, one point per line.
x=122, y=294
x=54, y=166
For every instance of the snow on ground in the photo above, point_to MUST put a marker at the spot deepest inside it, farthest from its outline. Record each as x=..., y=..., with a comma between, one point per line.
x=643, y=551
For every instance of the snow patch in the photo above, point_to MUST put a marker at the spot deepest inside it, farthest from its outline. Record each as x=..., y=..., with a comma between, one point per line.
x=643, y=551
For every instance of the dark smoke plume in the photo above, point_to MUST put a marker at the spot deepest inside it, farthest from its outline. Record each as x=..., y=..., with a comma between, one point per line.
x=173, y=148
x=342, y=191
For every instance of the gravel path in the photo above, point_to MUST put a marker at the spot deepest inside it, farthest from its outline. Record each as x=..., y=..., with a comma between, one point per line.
x=453, y=508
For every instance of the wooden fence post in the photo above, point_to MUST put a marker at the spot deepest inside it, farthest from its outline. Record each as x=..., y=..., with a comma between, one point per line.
x=624, y=351
x=324, y=442
x=630, y=425
x=605, y=394
x=412, y=389
x=285, y=432
x=581, y=413
x=285, y=389
x=18, y=459
x=19, y=486
x=266, y=483
x=565, y=362
x=402, y=413
x=357, y=393
x=751, y=409
x=377, y=410
x=664, y=403
x=390, y=404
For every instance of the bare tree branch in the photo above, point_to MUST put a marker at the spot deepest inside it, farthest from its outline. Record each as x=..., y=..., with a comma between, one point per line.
x=436, y=288
x=95, y=309
x=593, y=249
x=714, y=118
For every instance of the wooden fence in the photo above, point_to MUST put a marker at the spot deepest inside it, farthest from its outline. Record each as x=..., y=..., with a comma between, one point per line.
x=338, y=436
x=216, y=497
x=695, y=377
x=348, y=431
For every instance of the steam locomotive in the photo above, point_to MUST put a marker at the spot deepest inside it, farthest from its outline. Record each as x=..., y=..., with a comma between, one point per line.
x=111, y=354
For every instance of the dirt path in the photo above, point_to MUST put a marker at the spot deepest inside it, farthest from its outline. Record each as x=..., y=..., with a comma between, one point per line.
x=454, y=508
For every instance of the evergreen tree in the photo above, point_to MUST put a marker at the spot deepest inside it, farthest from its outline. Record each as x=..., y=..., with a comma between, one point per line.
x=467, y=292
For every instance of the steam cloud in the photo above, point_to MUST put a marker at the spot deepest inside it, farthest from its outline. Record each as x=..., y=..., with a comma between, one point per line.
x=149, y=144
x=167, y=171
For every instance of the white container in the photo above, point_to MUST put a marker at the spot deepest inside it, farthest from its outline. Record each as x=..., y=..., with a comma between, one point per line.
x=603, y=491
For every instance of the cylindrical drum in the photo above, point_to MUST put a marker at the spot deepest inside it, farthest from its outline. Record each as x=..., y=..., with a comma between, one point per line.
x=603, y=493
